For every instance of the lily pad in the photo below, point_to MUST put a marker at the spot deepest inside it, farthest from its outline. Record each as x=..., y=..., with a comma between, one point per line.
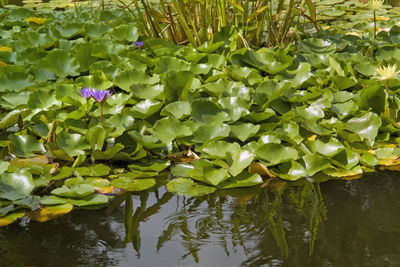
x=133, y=184
x=274, y=153
x=47, y=213
x=187, y=187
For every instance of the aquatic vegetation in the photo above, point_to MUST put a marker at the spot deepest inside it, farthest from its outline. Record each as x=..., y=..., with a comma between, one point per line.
x=386, y=74
x=137, y=44
x=212, y=115
x=375, y=5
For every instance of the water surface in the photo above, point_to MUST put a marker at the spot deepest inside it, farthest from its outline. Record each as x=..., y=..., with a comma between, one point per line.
x=335, y=223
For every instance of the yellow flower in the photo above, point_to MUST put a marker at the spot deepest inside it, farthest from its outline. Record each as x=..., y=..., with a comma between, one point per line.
x=387, y=73
x=375, y=4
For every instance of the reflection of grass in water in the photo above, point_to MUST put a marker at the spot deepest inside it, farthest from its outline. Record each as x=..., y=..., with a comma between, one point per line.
x=309, y=203
x=251, y=215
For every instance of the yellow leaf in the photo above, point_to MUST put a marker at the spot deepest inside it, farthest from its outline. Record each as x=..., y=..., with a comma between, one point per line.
x=38, y=21
x=5, y=49
x=353, y=33
x=343, y=173
x=101, y=186
x=261, y=169
x=29, y=162
x=2, y=64
x=10, y=218
x=50, y=212
x=390, y=145
x=354, y=177
x=389, y=162
x=382, y=18
x=312, y=137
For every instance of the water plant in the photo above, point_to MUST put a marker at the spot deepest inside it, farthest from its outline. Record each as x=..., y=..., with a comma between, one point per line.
x=375, y=5
x=195, y=22
x=137, y=44
x=99, y=96
x=214, y=115
x=386, y=74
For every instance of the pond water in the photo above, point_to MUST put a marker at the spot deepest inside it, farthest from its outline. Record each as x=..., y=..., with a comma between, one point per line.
x=335, y=223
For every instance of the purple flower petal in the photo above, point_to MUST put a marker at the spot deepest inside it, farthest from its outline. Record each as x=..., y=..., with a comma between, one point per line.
x=137, y=44
x=101, y=95
x=85, y=92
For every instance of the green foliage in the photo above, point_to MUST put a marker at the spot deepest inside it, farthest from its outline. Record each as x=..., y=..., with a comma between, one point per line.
x=249, y=23
x=216, y=116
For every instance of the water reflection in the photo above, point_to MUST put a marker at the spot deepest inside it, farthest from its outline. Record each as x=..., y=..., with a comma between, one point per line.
x=69, y=241
x=335, y=223
x=243, y=218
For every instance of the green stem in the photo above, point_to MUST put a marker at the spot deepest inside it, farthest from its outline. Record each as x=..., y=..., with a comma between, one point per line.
x=387, y=86
x=374, y=24
x=101, y=112
x=184, y=24
x=87, y=107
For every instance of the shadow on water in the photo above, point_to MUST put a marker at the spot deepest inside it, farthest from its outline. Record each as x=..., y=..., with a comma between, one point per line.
x=335, y=223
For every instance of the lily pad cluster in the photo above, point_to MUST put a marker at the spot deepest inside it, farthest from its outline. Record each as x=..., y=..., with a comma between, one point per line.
x=213, y=117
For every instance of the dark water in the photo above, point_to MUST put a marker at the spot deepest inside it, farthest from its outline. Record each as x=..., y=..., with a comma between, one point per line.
x=335, y=223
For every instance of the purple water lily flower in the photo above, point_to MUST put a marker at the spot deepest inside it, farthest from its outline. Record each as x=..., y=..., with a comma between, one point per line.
x=86, y=92
x=101, y=95
x=137, y=44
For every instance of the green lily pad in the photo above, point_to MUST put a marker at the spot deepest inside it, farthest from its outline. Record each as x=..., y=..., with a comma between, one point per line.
x=12, y=117
x=70, y=29
x=95, y=170
x=16, y=185
x=366, y=126
x=42, y=99
x=125, y=32
x=274, y=153
x=156, y=166
x=3, y=166
x=187, y=187
x=98, y=79
x=146, y=108
x=77, y=191
x=146, y=91
x=317, y=46
x=244, y=179
x=61, y=63
x=25, y=145
x=243, y=131
x=96, y=136
x=133, y=184
x=208, y=133
x=72, y=144
x=207, y=111
x=218, y=149
x=290, y=171
x=14, y=79
x=125, y=79
x=327, y=147
x=267, y=61
x=178, y=109
x=239, y=160
x=168, y=129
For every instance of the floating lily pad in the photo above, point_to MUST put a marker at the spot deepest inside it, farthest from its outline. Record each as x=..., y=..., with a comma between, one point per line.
x=317, y=46
x=133, y=184
x=50, y=212
x=188, y=187
x=25, y=145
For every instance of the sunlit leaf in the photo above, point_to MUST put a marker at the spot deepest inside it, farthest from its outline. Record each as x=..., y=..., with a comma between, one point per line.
x=188, y=187
x=47, y=213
